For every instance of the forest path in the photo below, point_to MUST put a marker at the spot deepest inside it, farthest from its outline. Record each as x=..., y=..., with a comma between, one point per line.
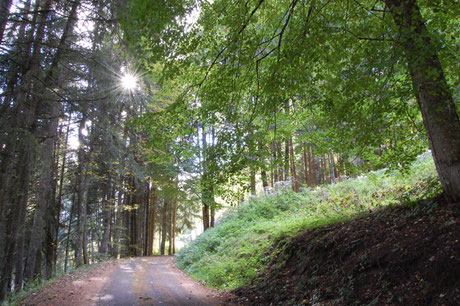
x=138, y=281
x=153, y=281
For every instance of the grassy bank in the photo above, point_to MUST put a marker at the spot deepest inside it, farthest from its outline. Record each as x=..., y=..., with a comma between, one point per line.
x=241, y=246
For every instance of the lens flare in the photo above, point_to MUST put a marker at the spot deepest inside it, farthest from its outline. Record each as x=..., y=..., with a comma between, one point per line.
x=129, y=81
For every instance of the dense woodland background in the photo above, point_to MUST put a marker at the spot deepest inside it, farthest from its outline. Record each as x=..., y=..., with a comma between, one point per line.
x=76, y=185
x=230, y=100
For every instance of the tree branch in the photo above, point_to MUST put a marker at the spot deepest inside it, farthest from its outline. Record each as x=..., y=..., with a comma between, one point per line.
x=235, y=39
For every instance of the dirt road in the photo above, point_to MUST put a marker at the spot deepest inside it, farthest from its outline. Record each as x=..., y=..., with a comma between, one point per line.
x=138, y=281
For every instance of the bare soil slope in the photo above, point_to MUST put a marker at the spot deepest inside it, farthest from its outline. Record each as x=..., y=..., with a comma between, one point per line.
x=405, y=255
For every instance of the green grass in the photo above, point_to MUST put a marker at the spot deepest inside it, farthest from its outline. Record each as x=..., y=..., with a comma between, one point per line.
x=241, y=245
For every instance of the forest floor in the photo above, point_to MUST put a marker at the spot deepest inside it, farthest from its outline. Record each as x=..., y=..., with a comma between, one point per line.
x=137, y=281
x=408, y=254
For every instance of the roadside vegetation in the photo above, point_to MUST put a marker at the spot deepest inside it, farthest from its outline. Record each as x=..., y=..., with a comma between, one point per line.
x=246, y=240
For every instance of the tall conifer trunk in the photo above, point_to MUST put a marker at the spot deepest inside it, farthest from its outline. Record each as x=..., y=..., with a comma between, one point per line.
x=118, y=215
x=170, y=232
x=69, y=226
x=107, y=213
x=82, y=195
x=151, y=220
x=164, y=225
x=56, y=221
x=174, y=226
x=15, y=196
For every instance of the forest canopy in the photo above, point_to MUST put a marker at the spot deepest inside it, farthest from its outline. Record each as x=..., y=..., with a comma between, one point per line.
x=366, y=79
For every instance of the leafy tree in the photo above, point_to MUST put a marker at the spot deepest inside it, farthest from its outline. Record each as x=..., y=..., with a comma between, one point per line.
x=358, y=64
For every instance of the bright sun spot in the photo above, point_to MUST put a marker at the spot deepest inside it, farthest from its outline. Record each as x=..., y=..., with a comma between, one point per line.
x=129, y=81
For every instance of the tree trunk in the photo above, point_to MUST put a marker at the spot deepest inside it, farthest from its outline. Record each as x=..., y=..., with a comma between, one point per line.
x=213, y=216
x=61, y=186
x=137, y=216
x=327, y=169
x=44, y=192
x=263, y=171
x=146, y=219
x=174, y=227
x=15, y=219
x=323, y=170
x=286, y=161
x=107, y=212
x=305, y=163
x=133, y=221
x=280, y=162
x=253, y=181
x=124, y=240
x=19, y=257
x=160, y=234
x=82, y=195
x=206, y=191
x=50, y=229
x=433, y=94
x=205, y=211
x=170, y=231
x=164, y=225
x=38, y=265
x=115, y=251
x=332, y=167
x=140, y=218
x=274, y=167
x=91, y=247
x=118, y=215
x=69, y=227
x=53, y=207
x=311, y=168
x=151, y=221
x=16, y=196
x=8, y=152
x=295, y=182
